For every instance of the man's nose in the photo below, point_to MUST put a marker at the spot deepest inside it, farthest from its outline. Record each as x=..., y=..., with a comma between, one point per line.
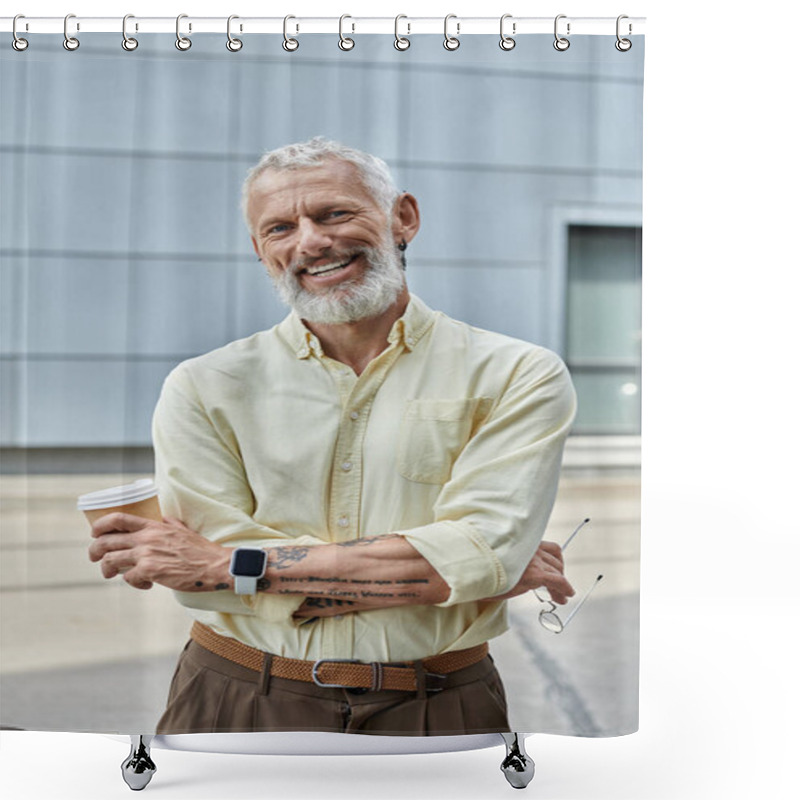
x=312, y=239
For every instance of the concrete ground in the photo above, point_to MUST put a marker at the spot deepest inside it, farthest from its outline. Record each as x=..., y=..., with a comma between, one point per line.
x=78, y=653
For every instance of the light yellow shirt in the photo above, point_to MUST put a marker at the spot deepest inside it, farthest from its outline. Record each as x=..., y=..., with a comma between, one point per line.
x=451, y=437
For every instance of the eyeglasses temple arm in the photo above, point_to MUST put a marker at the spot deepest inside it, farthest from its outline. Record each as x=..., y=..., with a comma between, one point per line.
x=583, y=600
x=573, y=534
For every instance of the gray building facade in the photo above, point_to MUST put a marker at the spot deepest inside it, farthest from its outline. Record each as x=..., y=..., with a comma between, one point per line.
x=124, y=252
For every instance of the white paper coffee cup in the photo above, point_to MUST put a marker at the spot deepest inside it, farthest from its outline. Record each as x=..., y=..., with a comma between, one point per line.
x=139, y=498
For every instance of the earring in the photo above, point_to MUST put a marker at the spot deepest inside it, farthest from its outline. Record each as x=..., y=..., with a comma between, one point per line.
x=402, y=248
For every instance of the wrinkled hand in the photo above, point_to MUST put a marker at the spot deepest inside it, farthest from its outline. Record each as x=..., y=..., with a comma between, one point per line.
x=146, y=552
x=546, y=569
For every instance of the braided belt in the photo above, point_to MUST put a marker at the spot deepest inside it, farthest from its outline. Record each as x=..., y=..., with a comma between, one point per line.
x=342, y=673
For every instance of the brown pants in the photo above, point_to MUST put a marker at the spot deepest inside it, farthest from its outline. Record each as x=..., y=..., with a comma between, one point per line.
x=210, y=694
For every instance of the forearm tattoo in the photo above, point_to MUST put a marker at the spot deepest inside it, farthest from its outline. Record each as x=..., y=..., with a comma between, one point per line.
x=359, y=542
x=284, y=557
x=326, y=602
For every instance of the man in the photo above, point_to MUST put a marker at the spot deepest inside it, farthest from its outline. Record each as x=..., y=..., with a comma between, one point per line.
x=386, y=473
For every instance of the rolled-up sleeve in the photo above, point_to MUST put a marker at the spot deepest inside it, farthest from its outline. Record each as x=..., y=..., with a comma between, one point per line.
x=491, y=514
x=202, y=481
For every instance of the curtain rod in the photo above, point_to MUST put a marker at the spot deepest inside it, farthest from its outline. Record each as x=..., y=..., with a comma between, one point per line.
x=347, y=25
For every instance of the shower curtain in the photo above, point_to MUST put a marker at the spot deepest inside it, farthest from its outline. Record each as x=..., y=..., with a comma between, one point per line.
x=124, y=254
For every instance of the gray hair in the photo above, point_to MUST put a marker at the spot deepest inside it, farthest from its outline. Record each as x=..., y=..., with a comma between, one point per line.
x=373, y=171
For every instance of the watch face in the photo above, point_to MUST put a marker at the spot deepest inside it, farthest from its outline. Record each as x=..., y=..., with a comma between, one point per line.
x=249, y=563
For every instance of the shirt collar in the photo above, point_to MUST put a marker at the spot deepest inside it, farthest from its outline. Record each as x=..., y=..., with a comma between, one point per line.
x=408, y=330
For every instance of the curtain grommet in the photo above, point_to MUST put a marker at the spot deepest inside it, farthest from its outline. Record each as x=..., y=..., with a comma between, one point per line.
x=451, y=43
x=623, y=45
x=183, y=43
x=345, y=42
x=233, y=44
x=561, y=43
x=401, y=43
x=507, y=42
x=70, y=43
x=289, y=44
x=18, y=43
x=128, y=42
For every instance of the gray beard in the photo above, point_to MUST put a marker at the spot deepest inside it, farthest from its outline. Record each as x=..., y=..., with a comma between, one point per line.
x=362, y=297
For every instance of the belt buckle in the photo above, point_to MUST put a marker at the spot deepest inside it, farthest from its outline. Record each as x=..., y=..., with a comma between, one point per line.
x=428, y=676
x=320, y=661
x=377, y=674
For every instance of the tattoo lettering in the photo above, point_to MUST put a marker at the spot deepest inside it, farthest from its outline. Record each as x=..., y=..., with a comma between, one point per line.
x=326, y=602
x=367, y=540
x=263, y=584
x=332, y=593
x=220, y=586
x=308, y=579
x=357, y=542
x=377, y=594
x=198, y=584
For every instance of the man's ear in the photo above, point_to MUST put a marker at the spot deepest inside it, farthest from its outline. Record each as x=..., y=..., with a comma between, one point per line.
x=405, y=218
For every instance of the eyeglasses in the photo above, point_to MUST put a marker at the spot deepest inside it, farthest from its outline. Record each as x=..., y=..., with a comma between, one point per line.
x=548, y=619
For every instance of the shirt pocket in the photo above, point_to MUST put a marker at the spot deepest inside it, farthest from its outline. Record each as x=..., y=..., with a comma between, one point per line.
x=432, y=435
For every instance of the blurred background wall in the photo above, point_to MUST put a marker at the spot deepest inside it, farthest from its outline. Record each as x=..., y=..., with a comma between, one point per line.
x=123, y=250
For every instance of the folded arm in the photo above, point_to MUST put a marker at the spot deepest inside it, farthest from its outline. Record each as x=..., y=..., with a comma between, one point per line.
x=379, y=572
x=490, y=516
x=488, y=519
x=545, y=569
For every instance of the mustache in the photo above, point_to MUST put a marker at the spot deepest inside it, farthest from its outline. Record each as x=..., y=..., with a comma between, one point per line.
x=329, y=256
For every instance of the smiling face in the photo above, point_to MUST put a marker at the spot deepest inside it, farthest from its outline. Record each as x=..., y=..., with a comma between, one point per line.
x=327, y=244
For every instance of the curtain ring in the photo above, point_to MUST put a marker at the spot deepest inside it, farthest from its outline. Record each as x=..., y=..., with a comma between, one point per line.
x=128, y=42
x=233, y=44
x=507, y=42
x=181, y=42
x=18, y=43
x=561, y=43
x=623, y=45
x=70, y=42
x=400, y=42
x=451, y=42
x=289, y=44
x=345, y=43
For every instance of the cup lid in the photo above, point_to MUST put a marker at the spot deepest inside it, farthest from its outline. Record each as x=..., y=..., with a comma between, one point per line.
x=118, y=495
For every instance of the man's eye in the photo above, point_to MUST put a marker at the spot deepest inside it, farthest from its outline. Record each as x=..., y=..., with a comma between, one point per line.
x=337, y=213
x=278, y=229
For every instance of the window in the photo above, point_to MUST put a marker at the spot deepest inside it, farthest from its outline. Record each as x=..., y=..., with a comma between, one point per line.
x=603, y=327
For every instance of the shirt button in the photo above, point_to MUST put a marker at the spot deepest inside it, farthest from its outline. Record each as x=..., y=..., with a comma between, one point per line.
x=354, y=415
x=343, y=521
x=347, y=466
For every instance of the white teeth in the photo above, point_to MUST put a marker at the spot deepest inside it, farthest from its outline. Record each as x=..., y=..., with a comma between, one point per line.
x=322, y=268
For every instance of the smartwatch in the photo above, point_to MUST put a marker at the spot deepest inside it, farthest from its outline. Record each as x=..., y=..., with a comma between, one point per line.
x=248, y=564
